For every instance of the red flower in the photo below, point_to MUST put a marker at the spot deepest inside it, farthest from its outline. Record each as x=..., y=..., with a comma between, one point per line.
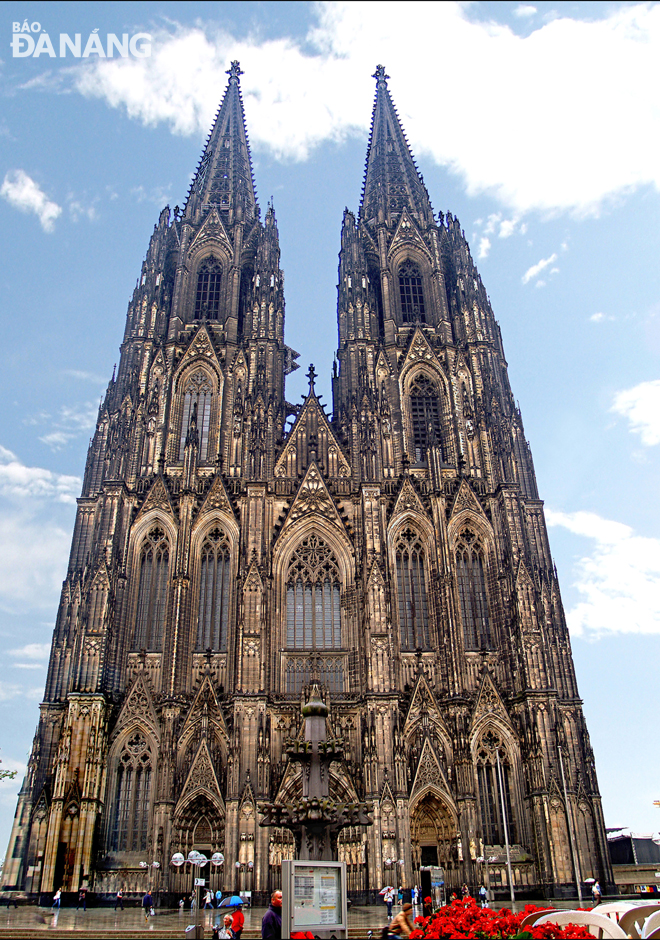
x=464, y=920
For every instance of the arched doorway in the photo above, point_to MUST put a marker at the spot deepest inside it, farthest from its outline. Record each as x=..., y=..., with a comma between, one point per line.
x=434, y=836
x=199, y=825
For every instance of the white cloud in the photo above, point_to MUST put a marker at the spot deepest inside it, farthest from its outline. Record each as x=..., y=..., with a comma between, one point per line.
x=536, y=269
x=20, y=482
x=641, y=406
x=73, y=420
x=85, y=376
x=35, y=535
x=21, y=191
x=619, y=580
x=600, y=317
x=550, y=140
x=524, y=10
x=484, y=247
x=32, y=651
x=78, y=210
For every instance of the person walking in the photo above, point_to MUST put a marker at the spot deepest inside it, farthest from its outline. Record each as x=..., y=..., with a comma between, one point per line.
x=147, y=903
x=57, y=898
x=596, y=893
x=237, y=922
x=82, y=899
x=483, y=896
x=388, y=897
x=271, y=925
x=119, y=899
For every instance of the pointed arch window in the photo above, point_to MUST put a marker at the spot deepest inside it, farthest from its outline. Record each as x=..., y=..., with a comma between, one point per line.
x=473, y=599
x=313, y=615
x=197, y=396
x=154, y=570
x=207, y=296
x=494, y=784
x=414, y=631
x=214, y=592
x=425, y=416
x=132, y=797
x=411, y=293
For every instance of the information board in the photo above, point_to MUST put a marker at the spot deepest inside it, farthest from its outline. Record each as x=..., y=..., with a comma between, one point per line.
x=314, y=897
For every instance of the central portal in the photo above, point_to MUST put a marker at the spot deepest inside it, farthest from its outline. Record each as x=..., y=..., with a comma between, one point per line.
x=435, y=836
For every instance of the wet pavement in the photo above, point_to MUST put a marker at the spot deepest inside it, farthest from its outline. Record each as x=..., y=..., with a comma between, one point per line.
x=103, y=922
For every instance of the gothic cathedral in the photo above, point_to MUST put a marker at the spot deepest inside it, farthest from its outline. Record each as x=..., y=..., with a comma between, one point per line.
x=231, y=549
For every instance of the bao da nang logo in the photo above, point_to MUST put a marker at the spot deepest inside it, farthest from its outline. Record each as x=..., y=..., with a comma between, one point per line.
x=29, y=39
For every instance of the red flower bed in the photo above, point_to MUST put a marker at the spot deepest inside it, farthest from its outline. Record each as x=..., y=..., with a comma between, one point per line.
x=465, y=920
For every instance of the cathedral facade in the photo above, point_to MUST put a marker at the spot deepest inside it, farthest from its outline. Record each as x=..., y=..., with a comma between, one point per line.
x=231, y=549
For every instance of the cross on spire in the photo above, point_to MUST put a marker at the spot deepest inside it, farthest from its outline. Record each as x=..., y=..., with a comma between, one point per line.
x=311, y=375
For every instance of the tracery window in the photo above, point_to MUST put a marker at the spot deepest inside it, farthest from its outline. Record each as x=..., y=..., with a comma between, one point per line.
x=214, y=592
x=207, y=297
x=472, y=594
x=313, y=618
x=130, y=816
x=327, y=671
x=411, y=292
x=197, y=394
x=425, y=416
x=494, y=784
x=414, y=632
x=154, y=566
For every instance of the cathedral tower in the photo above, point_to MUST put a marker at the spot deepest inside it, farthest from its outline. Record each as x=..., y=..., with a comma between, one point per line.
x=395, y=553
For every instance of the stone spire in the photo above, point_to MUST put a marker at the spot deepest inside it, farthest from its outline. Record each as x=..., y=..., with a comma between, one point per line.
x=224, y=177
x=391, y=179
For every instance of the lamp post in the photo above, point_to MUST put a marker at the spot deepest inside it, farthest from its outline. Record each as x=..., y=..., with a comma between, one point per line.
x=506, y=828
x=196, y=860
x=217, y=860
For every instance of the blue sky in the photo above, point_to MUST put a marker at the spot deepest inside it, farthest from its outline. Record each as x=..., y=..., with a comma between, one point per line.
x=537, y=124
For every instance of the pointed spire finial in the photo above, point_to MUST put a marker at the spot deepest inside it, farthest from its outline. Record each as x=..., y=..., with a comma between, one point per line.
x=311, y=375
x=380, y=75
x=234, y=72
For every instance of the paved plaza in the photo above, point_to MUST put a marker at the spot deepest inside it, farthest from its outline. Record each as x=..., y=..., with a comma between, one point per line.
x=32, y=921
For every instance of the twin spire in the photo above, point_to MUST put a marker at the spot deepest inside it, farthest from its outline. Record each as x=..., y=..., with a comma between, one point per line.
x=224, y=176
x=392, y=181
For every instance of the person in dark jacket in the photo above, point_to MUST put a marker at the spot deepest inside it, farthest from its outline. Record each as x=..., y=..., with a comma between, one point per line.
x=147, y=902
x=271, y=925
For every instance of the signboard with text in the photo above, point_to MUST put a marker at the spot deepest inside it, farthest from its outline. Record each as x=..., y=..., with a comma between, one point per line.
x=314, y=897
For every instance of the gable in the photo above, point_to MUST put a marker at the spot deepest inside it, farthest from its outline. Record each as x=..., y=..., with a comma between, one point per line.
x=157, y=498
x=200, y=350
x=211, y=230
x=407, y=236
x=408, y=501
x=312, y=421
x=313, y=498
x=429, y=773
x=489, y=704
x=138, y=707
x=217, y=500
